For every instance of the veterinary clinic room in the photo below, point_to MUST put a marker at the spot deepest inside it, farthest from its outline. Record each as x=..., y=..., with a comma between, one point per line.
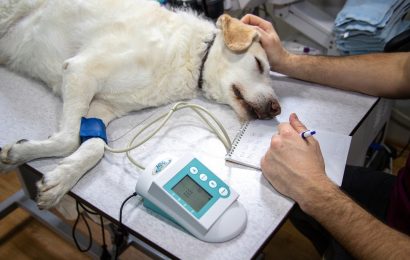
x=205, y=129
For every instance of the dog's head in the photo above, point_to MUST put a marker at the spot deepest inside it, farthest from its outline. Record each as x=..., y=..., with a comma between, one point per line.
x=237, y=71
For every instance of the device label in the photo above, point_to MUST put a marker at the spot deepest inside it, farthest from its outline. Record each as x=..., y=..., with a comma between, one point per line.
x=160, y=166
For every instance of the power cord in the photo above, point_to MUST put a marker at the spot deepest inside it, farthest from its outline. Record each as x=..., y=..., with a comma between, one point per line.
x=122, y=233
x=79, y=214
x=199, y=110
x=105, y=254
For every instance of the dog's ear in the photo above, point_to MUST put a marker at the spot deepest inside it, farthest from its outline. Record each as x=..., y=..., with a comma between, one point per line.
x=237, y=35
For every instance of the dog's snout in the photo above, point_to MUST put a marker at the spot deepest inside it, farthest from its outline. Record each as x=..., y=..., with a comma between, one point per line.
x=261, y=106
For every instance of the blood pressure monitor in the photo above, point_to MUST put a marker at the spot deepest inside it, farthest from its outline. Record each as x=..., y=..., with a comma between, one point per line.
x=190, y=194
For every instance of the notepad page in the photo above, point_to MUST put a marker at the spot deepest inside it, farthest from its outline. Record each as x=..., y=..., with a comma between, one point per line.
x=252, y=142
x=254, y=138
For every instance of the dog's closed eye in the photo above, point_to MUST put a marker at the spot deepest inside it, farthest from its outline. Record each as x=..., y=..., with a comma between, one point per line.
x=237, y=92
x=259, y=65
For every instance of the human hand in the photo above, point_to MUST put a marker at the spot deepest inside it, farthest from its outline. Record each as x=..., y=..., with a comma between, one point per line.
x=294, y=166
x=269, y=39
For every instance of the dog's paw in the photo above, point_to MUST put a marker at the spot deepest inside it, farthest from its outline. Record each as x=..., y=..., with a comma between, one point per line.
x=13, y=155
x=52, y=187
x=7, y=160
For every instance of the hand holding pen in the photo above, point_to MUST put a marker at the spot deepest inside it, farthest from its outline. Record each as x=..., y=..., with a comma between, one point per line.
x=307, y=133
x=294, y=162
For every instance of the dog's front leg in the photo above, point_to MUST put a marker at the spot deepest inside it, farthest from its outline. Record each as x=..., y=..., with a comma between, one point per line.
x=56, y=183
x=77, y=92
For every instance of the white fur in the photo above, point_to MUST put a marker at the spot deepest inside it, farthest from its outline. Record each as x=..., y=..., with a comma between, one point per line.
x=106, y=58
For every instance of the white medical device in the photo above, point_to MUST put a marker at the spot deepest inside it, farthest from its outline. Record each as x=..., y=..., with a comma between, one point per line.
x=190, y=194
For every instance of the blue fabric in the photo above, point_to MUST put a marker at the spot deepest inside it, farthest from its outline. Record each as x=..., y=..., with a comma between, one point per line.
x=373, y=12
x=91, y=128
x=372, y=42
x=364, y=26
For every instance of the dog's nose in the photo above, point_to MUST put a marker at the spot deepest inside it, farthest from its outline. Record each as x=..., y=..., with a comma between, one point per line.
x=275, y=108
x=269, y=110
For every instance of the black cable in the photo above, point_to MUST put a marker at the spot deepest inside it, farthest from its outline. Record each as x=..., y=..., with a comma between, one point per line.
x=105, y=254
x=123, y=203
x=75, y=227
x=122, y=231
x=119, y=240
x=102, y=230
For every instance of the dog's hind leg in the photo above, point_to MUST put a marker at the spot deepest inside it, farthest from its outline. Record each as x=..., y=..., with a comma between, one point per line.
x=78, y=90
x=56, y=183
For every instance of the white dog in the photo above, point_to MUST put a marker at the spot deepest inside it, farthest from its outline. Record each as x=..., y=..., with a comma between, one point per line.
x=106, y=58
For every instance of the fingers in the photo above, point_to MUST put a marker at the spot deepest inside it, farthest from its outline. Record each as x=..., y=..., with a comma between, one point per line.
x=285, y=129
x=257, y=21
x=299, y=127
x=296, y=124
x=292, y=129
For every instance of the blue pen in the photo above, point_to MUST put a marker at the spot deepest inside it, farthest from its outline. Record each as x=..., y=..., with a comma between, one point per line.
x=307, y=133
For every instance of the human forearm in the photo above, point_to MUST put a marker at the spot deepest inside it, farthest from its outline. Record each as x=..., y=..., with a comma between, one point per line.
x=386, y=75
x=295, y=167
x=361, y=234
x=381, y=74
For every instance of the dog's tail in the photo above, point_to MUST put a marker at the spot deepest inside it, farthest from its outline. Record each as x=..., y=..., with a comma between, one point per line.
x=11, y=11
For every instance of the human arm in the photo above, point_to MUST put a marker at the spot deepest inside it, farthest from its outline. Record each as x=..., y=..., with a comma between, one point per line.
x=378, y=74
x=295, y=168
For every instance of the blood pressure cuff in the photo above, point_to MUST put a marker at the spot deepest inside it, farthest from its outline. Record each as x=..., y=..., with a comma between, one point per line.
x=91, y=128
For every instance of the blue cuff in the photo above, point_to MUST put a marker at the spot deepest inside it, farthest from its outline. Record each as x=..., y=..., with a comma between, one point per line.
x=91, y=128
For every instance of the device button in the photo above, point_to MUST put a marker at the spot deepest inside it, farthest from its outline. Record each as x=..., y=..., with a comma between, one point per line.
x=212, y=184
x=223, y=191
x=193, y=170
x=203, y=177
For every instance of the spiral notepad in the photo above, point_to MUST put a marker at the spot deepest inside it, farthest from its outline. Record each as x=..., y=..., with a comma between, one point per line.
x=253, y=140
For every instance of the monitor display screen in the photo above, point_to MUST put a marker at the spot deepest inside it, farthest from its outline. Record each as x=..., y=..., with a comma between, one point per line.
x=193, y=194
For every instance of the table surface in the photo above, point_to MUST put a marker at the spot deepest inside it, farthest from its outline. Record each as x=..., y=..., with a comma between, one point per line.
x=31, y=111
